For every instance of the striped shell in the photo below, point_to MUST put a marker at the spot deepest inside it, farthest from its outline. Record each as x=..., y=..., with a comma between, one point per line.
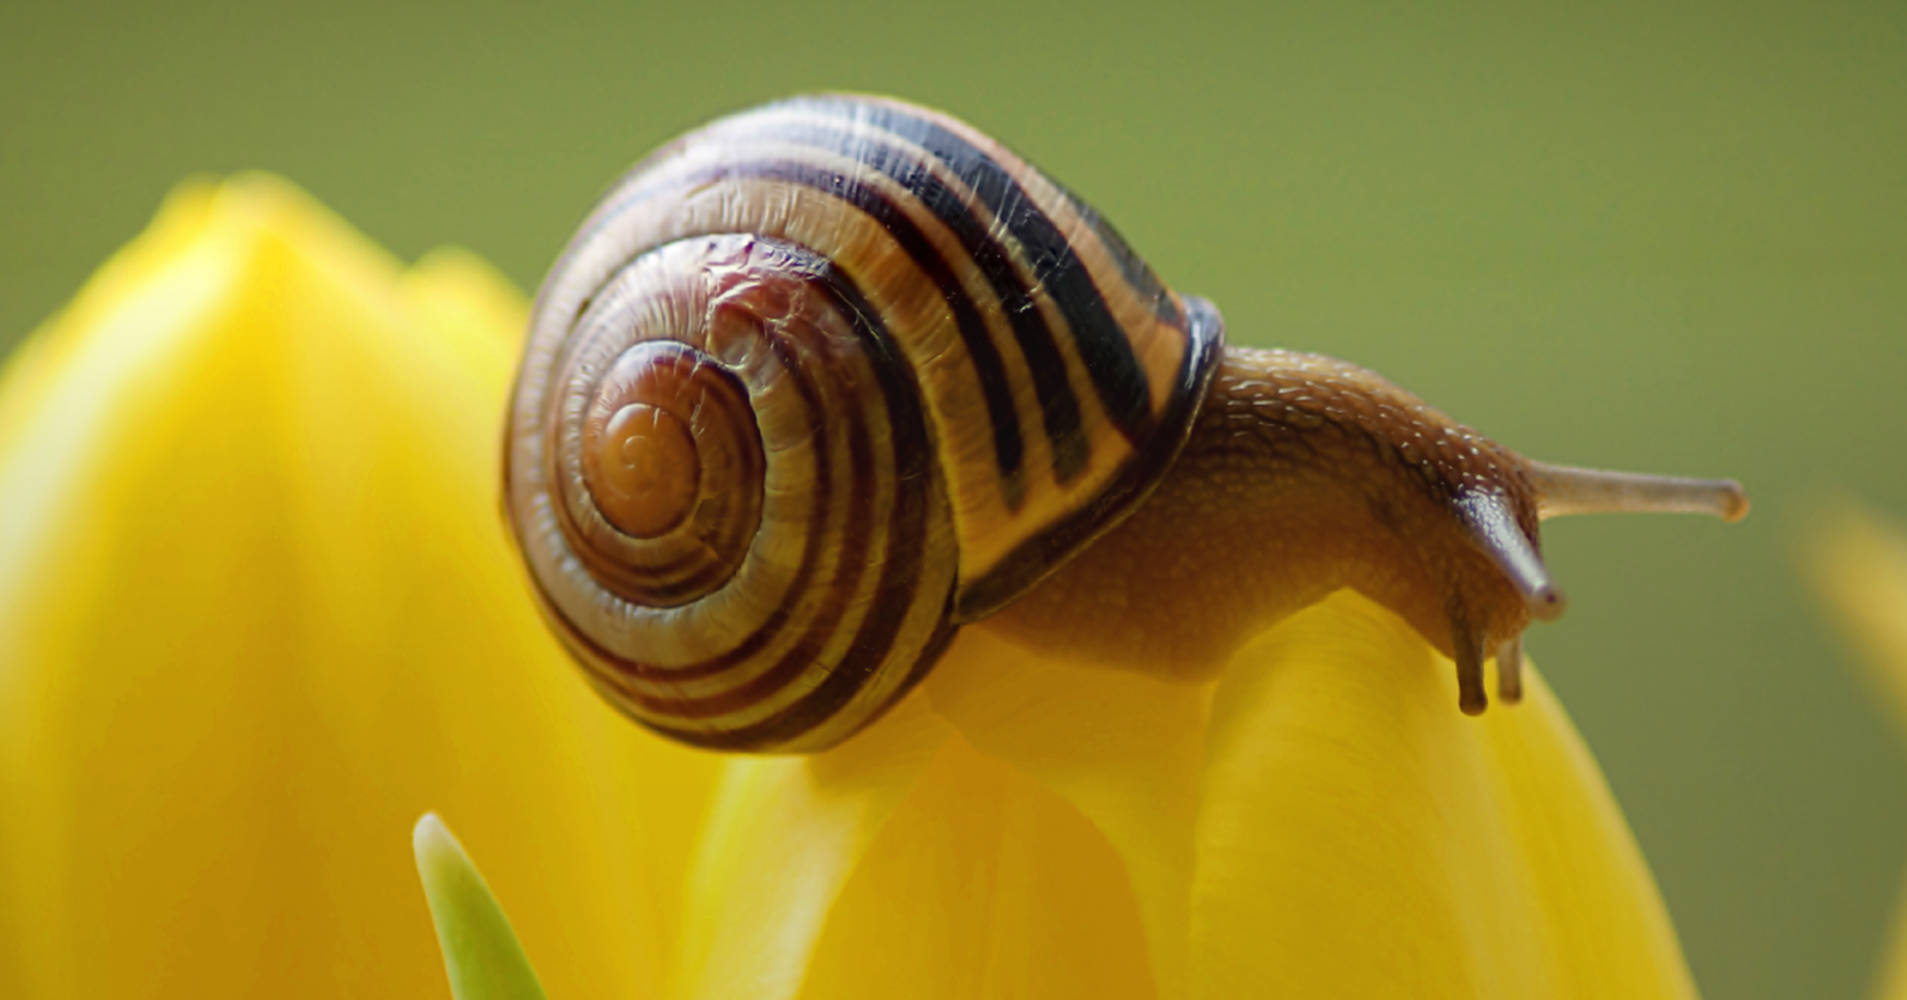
x=813, y=386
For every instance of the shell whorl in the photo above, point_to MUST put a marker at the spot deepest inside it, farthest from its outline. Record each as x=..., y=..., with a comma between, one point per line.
x=811, y=387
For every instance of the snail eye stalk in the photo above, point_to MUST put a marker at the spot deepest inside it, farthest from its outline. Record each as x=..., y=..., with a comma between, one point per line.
x=1565, y=490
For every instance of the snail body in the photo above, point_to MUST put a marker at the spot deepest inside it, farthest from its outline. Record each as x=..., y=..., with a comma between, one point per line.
x=820, y=383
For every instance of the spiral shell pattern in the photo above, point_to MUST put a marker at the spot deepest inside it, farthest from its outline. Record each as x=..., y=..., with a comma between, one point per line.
x=812, y=386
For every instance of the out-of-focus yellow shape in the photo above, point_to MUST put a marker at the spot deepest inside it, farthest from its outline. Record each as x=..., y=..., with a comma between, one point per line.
x=257, y=614
x=1321, y=822
x=1859, y=563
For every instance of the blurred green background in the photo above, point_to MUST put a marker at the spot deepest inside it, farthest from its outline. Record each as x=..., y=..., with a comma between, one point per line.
x=1668, y=238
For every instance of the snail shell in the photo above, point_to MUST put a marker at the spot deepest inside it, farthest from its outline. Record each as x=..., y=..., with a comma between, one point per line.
x=812, y=386
x=823, y=381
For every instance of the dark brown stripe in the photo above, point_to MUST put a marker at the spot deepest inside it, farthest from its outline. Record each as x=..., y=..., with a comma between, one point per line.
x=1145, y=284
x=1008, y=443
x=1034, y=558
x=646, y=585
x=924, y=661
x=900, y=571
x=673, y=582
x=894, y=595
x=1117, y=376
x=1059, y=407
x=900, y=579
x=825, y=619
x=822, y=490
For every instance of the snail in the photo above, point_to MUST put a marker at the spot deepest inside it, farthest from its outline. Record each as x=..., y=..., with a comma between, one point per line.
x=824, y=381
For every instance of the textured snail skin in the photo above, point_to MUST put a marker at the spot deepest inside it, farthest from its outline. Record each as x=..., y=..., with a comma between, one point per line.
x=1304, y=474
x=820, y=383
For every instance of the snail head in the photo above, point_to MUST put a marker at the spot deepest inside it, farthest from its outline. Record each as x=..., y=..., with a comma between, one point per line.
x=1304, y=474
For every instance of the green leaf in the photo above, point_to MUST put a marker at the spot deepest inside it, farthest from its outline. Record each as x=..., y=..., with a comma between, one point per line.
x=481, y=953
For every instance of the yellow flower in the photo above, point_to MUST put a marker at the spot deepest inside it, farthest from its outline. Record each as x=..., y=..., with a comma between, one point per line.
x=256, y=615
x=1859, y=563
x=1318, y=822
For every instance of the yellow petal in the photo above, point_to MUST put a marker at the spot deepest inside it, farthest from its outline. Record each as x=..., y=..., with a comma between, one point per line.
x=1324, y=800
x=908, y=867
x=1320, y=822
x=1359, y=837
x=1123, y=748
x=784, y=835
x=984, y=884
x=257, y=614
